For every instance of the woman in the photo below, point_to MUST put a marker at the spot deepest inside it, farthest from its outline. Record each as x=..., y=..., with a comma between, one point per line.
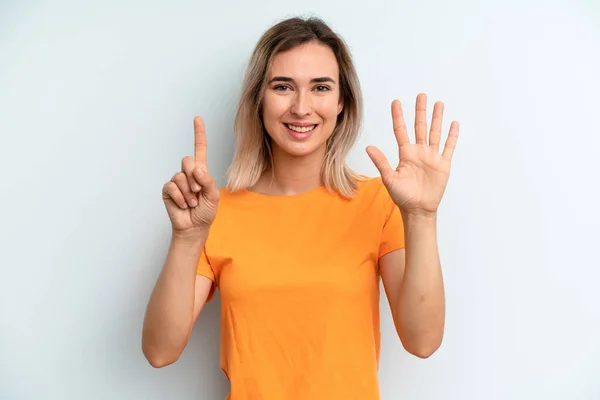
x=299, y=240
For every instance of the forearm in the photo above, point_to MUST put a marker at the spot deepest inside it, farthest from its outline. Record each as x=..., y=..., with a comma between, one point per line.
x=421, y=304
x=169, y=314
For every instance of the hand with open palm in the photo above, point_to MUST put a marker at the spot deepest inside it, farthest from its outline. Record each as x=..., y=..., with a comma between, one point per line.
x=191, y=196
x=418, y=183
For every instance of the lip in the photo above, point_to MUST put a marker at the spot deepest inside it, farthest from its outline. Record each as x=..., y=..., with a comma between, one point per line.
x=301, y=124
x=300, y=135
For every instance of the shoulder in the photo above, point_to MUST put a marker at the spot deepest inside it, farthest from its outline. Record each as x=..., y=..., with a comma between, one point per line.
x=227, y=196
x=373, y=191
x=371, y=187
x=229, y=207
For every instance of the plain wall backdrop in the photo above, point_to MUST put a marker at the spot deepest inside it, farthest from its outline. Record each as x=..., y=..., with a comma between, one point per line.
x=96, y=109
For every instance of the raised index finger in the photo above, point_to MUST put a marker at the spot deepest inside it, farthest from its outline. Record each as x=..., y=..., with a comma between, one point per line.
x=199, y=141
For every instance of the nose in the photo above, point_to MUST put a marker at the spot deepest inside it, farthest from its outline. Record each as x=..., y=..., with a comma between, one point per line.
x=301, y=105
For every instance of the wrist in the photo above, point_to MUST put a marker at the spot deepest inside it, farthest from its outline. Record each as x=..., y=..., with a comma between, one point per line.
x=419, y=215
x=190, y=236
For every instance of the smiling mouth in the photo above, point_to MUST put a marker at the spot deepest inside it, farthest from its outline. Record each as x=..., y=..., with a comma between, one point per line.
x=301, y=129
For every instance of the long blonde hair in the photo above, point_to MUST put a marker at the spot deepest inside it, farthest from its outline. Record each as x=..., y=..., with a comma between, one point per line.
x=253, y=152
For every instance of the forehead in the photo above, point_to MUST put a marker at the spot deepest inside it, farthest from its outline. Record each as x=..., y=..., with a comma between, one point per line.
x=304, y=62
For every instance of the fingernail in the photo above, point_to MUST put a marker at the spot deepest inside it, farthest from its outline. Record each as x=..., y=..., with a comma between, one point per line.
x=193, y=202
x=195, y=187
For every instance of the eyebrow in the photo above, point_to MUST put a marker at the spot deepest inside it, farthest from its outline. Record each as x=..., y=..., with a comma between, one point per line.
x=322, y=79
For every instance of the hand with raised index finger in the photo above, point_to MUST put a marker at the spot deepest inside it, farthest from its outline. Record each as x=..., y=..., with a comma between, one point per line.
x=191, y=196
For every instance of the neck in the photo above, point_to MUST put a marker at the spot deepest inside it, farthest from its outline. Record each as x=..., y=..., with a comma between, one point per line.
x=290, y=174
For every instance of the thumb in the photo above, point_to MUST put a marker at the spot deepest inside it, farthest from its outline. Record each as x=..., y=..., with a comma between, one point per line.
x=209, y=188
x=379, y=160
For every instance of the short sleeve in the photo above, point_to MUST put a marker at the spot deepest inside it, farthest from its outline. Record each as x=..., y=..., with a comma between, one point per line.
x=204, y=268
x=392, y=236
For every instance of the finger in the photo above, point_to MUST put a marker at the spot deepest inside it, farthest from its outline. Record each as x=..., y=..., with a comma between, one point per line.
x=451, y=141
x=199, y=141
x=182, y=183
x=421, y=119
x=209, y=188
x=187, y=166
x=171, y=191
x=399, y=124
x=380, y=161
x=436, y=125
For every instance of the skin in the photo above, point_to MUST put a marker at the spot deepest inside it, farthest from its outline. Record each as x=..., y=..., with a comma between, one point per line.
x=191, y=199
x=413, y=276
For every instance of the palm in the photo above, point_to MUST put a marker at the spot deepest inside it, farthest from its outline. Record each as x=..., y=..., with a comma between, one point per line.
x=419, y=181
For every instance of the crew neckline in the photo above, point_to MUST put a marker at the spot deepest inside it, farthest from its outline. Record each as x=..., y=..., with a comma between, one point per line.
x=268, y=197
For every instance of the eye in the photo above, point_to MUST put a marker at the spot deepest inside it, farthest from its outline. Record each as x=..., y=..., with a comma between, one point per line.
x=322, y=88
x=281, y=88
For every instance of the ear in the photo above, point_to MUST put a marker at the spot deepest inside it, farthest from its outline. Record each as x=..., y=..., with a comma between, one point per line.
x=340, y=107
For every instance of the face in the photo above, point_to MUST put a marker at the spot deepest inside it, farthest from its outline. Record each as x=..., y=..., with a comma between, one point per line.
x=302, y=99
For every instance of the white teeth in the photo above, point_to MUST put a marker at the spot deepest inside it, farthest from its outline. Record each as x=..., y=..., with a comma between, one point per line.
x=301, y=128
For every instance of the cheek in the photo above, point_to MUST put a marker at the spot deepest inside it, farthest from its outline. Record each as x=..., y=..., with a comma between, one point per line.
x=273, y=107
x=329, y=109
x=272, y=112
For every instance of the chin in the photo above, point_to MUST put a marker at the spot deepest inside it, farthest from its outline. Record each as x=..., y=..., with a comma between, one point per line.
x=298, y=149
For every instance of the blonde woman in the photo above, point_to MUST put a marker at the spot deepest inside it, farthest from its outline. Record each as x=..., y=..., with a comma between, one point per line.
x=297, y=242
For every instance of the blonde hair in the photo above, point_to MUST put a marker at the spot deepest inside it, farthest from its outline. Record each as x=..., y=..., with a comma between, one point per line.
x=253, y=152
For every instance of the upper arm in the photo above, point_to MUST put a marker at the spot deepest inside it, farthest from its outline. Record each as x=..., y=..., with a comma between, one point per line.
x=203, y=287
x=391, y=267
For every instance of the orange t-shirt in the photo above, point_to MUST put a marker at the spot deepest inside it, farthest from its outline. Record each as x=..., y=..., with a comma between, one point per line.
x=299, y=284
